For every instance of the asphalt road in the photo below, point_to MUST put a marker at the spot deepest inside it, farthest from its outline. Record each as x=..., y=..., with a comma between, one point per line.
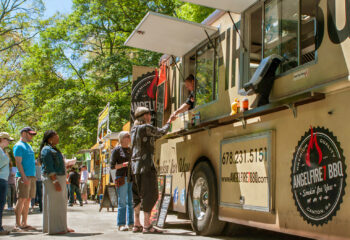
x=89, y=223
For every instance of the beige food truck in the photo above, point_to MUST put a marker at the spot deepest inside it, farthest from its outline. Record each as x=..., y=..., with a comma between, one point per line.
x=279, y=164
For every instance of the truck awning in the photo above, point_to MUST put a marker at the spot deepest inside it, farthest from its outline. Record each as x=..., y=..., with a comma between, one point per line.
x=236, y=6
x=164, y=34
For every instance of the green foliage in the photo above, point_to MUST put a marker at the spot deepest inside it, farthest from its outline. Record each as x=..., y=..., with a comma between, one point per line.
x=192, y=12
x=78, y=63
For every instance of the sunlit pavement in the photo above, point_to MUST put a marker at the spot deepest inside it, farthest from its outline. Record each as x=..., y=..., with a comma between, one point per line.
x=89, y=223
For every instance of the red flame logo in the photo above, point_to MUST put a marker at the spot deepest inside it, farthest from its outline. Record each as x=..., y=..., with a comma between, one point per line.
x=151, y=88
x=312, y=143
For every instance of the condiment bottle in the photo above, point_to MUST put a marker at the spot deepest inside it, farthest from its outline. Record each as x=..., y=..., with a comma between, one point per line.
x=245, y=104
x=235, y=106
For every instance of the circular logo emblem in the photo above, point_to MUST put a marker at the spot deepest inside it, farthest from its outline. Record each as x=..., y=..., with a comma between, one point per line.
x=318, y=176
x=142, y=94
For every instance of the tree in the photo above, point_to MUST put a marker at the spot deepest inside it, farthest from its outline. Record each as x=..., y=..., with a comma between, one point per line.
x=78, y=63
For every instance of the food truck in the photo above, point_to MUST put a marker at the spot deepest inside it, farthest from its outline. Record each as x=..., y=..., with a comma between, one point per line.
x=101, y=174
x=278, y=163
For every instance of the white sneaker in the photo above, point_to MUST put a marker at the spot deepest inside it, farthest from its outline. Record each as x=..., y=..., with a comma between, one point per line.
x=123, y=228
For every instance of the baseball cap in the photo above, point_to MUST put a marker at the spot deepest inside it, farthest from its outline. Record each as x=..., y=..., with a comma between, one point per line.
x=28, y=130
x=6, y=135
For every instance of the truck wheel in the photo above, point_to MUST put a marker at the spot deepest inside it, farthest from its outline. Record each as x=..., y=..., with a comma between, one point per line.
x=203, y=201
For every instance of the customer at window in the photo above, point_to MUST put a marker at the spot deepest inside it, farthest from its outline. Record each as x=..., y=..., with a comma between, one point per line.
x=189, y=104
x=54, y=178
x=144, y=175
x=120, y=159
x=5, y=139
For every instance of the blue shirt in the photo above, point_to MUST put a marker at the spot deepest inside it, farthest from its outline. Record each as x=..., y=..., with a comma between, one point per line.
x=52, y=161
x=4, y=165
x=25, y=151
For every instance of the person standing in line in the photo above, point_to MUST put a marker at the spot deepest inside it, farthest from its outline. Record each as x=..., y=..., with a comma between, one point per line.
x=5, y=139
x=73, y=180
x=120, y=159
x=11, y=187
x=83, y=183
x=54, y=177
x=144, y=174
x=26, y=181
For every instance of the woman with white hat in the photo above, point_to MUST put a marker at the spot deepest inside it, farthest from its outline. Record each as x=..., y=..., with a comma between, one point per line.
x=5, y=139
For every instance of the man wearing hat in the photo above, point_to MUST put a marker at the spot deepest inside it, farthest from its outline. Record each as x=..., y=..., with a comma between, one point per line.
x=26, y=182
x=5, y=139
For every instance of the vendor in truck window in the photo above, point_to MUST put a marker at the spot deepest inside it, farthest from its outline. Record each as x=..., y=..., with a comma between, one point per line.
x=189, y=104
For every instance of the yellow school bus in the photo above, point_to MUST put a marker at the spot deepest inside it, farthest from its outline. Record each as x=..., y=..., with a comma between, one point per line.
x=280, y=163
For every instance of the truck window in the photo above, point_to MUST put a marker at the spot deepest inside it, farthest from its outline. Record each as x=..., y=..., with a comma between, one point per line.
x=282, y=27
x=206, y=78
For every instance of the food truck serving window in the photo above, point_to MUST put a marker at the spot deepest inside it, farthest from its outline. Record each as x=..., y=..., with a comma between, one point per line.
x=207, y=63
x=283, y=27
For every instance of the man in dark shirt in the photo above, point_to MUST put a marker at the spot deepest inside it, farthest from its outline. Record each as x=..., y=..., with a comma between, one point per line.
x=74, y=180
x=189, y=104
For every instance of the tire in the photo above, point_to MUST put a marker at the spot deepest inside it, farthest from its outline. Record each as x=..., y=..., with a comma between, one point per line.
x=202, y=201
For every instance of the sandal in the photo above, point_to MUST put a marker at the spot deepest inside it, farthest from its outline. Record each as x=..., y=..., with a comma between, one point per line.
x=137, y=229
x=27, y=228
x=151, y=230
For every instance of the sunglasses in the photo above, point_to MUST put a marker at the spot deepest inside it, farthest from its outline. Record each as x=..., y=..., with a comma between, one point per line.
x=30, y=134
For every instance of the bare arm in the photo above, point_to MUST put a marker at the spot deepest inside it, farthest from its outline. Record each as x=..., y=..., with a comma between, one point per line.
x=20, y=169
x=183, y=108
x=122, y=165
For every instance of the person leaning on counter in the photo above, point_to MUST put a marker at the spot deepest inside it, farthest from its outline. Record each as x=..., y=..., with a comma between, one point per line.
x=189, y=104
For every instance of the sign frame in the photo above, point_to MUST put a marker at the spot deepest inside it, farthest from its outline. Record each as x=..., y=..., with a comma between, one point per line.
x=270, y=135
x=103, y=120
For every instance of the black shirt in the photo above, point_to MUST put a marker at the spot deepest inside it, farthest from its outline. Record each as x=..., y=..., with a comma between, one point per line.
x=74, y=178
x=119, y=156
x=143, y=138
x=190, y=100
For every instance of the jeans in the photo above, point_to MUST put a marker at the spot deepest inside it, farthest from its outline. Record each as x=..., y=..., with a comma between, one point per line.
x=125, y=208
x=11, y=195
x=3, y=190
x=39, y=195
x=74, y=189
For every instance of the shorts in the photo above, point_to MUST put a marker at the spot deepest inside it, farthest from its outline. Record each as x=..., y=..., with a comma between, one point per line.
x=145, y=190
x=83, y=188
x=26, y=190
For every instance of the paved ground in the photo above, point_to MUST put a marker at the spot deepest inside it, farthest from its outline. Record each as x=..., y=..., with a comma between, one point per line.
x=89, y=223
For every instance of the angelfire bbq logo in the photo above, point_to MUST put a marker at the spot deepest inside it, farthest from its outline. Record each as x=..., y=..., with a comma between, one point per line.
x=318, y=176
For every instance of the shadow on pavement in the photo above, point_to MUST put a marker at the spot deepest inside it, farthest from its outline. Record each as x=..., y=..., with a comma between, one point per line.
x=179, y=225
x=75, y=234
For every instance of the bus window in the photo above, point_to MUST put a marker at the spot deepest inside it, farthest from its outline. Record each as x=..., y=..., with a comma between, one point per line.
x=282, y=27
x=253, y=42
x=206, y=82
x=308, y=31
x=282, y=34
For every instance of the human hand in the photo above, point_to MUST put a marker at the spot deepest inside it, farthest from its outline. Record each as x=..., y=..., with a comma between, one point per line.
x=57, y=187
x=125, y=164
x=25, y=180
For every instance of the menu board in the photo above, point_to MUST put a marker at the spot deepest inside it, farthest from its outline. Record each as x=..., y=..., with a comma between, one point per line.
x=155, y=210
x=163, y=210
